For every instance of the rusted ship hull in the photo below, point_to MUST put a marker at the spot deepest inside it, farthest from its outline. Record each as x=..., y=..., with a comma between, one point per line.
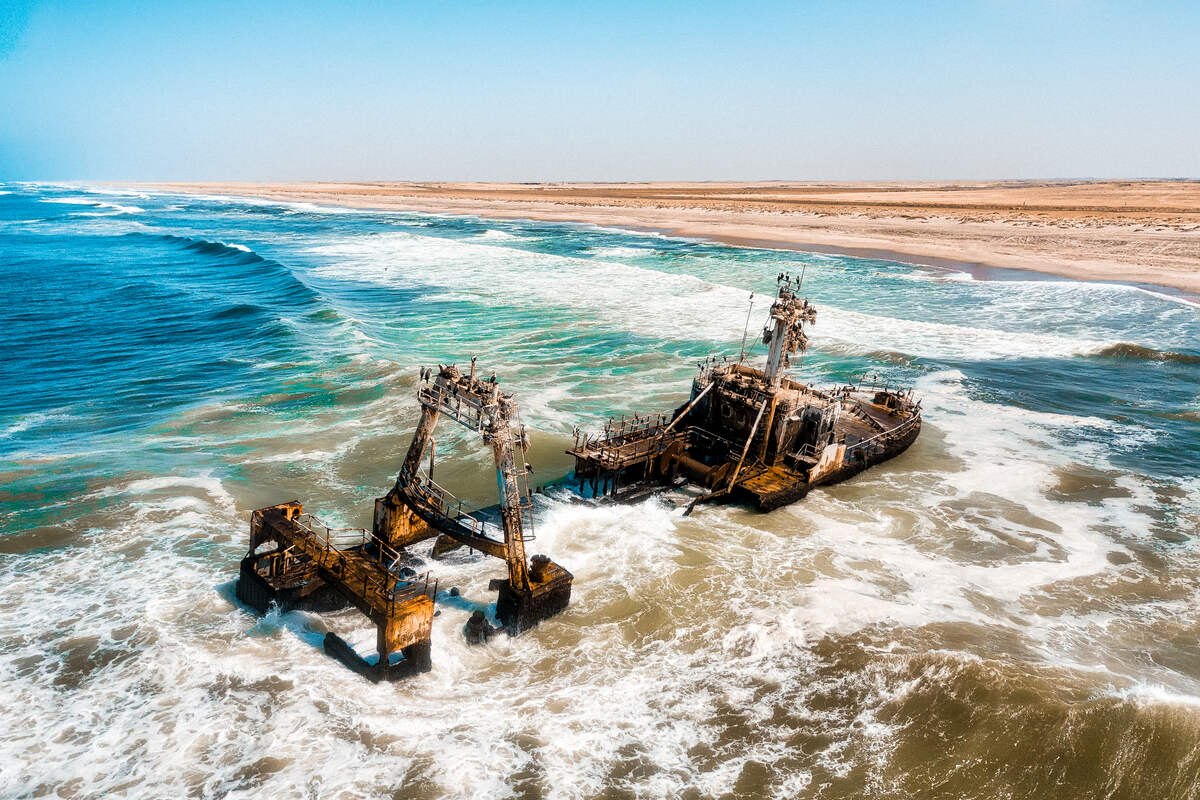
x=649, y=454
x=752, y=436
x=772, y=495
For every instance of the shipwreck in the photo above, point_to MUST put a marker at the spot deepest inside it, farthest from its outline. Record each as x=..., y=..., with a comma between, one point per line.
x=752, y=436
x=745, y=435
x=296, y=561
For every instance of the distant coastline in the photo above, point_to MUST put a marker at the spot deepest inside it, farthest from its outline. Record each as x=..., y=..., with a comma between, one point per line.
x=1142, y=232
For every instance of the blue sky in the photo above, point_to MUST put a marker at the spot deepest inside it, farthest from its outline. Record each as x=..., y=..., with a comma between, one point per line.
x=622, y=91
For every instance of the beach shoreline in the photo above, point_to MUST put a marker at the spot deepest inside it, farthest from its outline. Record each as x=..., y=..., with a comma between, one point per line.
x=1139, y=232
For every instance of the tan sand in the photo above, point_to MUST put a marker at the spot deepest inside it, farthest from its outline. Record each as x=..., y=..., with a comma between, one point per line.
x=1136, y=231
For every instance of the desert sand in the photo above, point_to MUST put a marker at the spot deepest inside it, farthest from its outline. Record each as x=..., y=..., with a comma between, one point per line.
x=1130, y=231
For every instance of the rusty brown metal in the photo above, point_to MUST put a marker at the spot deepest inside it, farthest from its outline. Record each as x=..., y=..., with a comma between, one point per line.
x=721, y=441
x=295, y=561
x=717, y=440
x=481, y=406
x=365, y=572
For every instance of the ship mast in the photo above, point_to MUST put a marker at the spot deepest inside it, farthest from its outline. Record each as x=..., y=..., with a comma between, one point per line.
x=784, y=332
x=481, y=406
x=536, y=588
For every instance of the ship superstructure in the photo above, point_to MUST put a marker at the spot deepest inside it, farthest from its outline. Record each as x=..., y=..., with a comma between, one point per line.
x=753, y=436
x=745, y=435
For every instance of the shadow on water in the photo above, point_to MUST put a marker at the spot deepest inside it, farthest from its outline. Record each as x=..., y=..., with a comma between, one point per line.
x=297, y=623
x=300, y=623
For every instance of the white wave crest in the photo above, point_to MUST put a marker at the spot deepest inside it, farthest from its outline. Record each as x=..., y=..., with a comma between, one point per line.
x=654, y=303
x=492, y=235
x=113, y=208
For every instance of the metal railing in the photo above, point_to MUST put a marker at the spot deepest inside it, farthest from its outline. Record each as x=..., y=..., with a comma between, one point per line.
x=339, y=547
x=639, y=436
x=521, y=478
x=807, y=450
x=873, y=380
x=441, y=502
x=408, y=588
x=628, y=439
x=445, y=504
x=462, y=407
x=882, y=439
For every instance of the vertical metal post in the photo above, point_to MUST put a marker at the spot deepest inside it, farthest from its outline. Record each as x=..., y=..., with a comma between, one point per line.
x=746, y=329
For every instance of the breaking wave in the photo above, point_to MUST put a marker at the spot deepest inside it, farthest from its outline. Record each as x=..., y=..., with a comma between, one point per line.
x=656, y=303
x=113, y=208
x=204, y=246
x=1137, y=352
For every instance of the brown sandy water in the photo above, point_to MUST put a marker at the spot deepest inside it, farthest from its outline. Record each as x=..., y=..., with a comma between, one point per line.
x=918, y=632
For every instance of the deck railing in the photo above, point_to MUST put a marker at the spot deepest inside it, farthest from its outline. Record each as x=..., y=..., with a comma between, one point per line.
x=338, y=546
x=442, y=501
x=886, y=437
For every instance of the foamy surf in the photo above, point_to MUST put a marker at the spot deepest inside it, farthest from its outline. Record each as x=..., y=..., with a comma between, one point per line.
x=651, y=302
x=1033, y=553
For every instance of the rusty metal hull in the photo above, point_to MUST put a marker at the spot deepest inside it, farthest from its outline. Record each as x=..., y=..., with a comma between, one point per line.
x=304, y=591
x=798, y=489
x=297, y=562
x=748, y=446
x=519, y=609
x=753, y=436
x=890, y=451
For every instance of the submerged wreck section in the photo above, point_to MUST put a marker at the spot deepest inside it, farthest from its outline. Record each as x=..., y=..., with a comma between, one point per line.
x=295, y=561
x=751, y=435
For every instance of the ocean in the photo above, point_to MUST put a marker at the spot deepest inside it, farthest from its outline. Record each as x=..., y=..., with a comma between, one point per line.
x=1009, y=609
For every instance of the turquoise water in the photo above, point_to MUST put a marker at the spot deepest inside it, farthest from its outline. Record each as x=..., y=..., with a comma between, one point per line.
x=176, y=361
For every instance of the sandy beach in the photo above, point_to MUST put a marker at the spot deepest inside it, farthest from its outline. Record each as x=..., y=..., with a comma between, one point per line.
x=1132, y=231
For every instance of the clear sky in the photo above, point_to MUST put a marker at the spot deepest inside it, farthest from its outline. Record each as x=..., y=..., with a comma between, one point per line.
x=258, y=90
